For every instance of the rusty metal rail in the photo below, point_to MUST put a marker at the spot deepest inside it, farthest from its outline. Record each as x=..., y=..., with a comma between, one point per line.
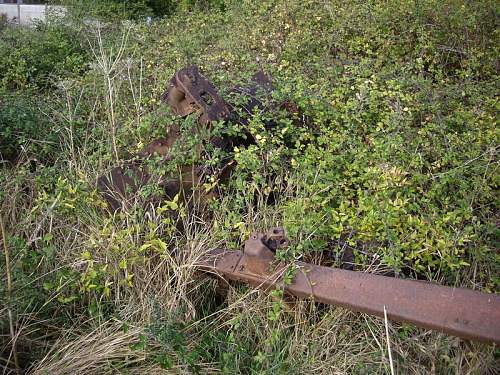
x=456, y=311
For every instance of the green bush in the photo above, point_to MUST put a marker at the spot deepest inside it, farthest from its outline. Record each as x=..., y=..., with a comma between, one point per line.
x=34, y=57
x=115, y=10
x=392, y=156
x=21, y=125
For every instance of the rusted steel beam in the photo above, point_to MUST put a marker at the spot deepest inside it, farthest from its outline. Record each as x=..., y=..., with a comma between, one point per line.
x=456, y=311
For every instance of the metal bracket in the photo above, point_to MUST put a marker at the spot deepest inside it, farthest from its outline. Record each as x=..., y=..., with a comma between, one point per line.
x=258, y=254
x=190, y=91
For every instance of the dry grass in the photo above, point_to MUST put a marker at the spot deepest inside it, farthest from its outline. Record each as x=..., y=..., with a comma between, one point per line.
x=93, y=352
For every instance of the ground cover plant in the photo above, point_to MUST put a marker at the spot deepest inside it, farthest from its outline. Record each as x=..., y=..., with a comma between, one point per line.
x=385, y=163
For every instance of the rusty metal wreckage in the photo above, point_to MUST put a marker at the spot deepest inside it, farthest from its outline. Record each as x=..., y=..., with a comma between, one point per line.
x=460, y=312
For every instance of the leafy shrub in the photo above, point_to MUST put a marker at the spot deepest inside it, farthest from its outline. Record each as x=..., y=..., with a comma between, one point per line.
x=108, y=10
x=31, y=57
x=21, y=125
x=395, y=126
x=137, y=9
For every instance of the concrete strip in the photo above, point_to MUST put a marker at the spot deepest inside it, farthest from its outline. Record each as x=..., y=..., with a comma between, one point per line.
x=26, y=14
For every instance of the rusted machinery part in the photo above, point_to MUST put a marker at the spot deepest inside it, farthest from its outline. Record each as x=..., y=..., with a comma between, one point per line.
x=255, y=95
x=119, y=186
x=460, y=312
x=160, y=146
x=189, y=91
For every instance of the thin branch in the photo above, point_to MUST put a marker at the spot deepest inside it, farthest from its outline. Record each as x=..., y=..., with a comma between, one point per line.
x=9, y=294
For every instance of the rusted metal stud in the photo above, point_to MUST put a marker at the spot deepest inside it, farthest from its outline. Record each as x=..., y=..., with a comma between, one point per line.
x=258, y=256
x=276, y=239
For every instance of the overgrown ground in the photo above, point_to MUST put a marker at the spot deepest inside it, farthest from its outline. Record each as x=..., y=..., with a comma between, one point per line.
x=390, y=159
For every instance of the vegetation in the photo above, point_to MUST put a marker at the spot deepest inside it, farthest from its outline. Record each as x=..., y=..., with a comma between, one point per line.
x=137, y=9
x=389, y=161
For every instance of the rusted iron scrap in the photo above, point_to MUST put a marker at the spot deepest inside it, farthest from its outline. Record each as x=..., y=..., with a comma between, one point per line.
x=188, y=92
x=456, y=311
